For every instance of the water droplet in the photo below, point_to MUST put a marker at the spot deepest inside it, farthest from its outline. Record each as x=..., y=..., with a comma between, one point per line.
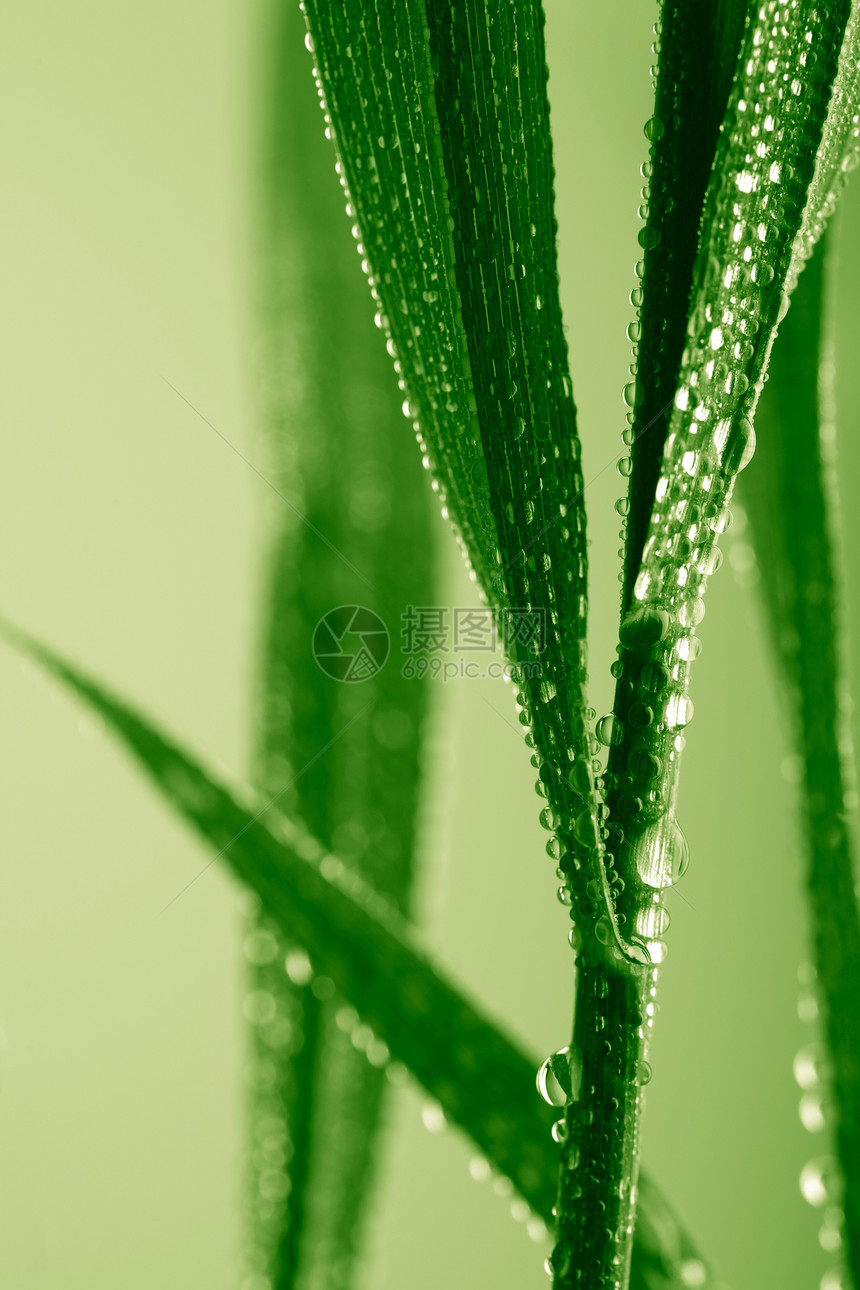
x=830, y=1232
x=298, y=967
x=835, y=1279
x=559, y=1077
x=433, y=1117
x=644, y=627
x=689, y=648
x=556, y=848
x=549, y=819
x=558, y=1263
x=643, y=1073
x=559, y=1131
x=309, y=43
x=815, y=1111
x=662, y=853
x=819, y=1181
x=811, y=1066
x=691, y=612
x=693, y=1273
x=747, y=431
x=652, y=921
x=608, y=730
x=633, y=394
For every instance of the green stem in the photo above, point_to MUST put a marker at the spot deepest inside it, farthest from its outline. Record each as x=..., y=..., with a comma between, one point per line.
x=600, y=1157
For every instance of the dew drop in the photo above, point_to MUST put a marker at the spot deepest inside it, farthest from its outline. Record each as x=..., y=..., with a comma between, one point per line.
x=559, y=1078
x=661, y=853
x=433, y=1117
x=815, y=1112
x=632, y=394
x=644, y=627
x=679, y=711
x=652, y=921
x=745, y=428
x=298, y=967
x=643, y=1073
x=549, y=819
x=819, y=1181
x=811, y=1066
x=607, y=730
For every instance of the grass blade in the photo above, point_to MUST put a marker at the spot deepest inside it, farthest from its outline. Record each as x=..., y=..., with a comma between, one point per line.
x=788, y=499
x=753, y=209
x=325, y=1096
x=361, y=946
x=839, y=152
x=698, y=50
x=441, y=120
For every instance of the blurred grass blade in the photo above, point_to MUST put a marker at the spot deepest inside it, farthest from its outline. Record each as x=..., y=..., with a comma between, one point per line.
x=359, y=945
x=753, y=208
x=788, y=495
x=336, y=447
x=441, y=121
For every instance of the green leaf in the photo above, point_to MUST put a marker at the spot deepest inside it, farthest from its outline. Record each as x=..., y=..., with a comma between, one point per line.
x=698, y=44
x=441, y=120
x=341, y=457
x=360, y=945
x=789, y=497
x=753, y=209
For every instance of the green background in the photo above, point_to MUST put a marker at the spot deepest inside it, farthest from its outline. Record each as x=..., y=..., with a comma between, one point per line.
x=130, y=535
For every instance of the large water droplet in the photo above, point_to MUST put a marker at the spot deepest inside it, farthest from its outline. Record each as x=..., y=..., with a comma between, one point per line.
x=608, y=730
x=661, y=853
x=644, y=627
x=559, y=1078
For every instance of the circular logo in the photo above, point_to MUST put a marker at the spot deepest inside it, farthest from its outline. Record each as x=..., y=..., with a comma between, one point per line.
x=351, y=643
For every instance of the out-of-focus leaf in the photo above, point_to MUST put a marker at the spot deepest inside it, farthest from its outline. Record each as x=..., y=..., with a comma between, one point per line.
x=338, y=450
x=360, y=945
x=787, y=494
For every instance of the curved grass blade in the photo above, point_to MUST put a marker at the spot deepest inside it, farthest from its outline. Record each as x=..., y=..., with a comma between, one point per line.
x=699, y=42
x=839, y=152
x=338, y=450
x=359, y=945
x=754, y=204
x=788, y=496
x=441, y=121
